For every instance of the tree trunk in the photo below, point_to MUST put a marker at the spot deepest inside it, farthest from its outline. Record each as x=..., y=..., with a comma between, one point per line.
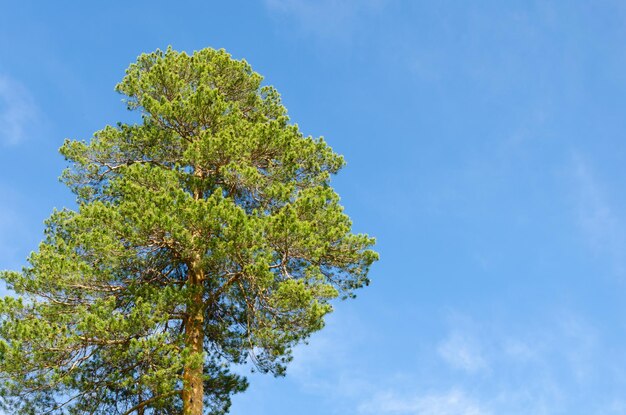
x=193, y=388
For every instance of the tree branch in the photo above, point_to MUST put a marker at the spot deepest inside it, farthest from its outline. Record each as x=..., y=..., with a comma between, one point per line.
x=149, y=401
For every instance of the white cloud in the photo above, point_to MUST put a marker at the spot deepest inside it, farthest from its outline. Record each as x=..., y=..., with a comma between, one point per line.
x=462, y=351
x=16, y=234
x=616, y=407
x=582, y=348
x=11, y=228
x=597, y=217
x=454, y=402
x=538, y=368
x=18, y=112
x=595, y=213
x=325, y=18
x=323, y=365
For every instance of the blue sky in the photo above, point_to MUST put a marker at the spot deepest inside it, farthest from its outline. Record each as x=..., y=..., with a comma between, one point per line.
x=486, y=152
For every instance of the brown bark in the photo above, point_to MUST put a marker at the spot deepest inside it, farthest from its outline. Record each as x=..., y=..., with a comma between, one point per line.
x=193, y=388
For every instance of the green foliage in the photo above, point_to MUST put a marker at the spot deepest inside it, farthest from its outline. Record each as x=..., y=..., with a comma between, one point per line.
x=214, y=181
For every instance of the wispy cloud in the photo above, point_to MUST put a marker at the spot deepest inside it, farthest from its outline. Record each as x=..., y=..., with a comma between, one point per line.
x=583, y=349
x=596, y=215
x=478, y=367
x=18, y=112
x=454, y=402
x=539, y=368
x=462, y=351
x=325, y=18
x=322, y=366
x=11, y=227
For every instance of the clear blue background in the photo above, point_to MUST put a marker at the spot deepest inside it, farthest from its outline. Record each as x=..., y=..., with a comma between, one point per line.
x=486, y=151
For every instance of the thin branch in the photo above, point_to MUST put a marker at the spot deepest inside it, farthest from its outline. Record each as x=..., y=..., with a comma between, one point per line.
x=149, y=401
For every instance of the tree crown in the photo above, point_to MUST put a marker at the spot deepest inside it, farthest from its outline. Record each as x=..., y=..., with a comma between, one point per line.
x=213, y=215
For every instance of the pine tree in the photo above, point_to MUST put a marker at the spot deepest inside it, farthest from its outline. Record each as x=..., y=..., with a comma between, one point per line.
x=206, y=235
